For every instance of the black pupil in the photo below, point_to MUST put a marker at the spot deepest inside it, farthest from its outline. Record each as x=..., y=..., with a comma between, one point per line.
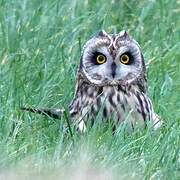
x=124, y=58
x=101, y=58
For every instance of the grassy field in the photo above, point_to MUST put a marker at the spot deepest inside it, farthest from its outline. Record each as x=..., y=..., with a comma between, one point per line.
x=40, y=44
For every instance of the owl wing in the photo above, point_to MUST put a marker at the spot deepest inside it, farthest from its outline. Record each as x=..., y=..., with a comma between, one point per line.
x=142, y=79
x=51, y=112
x=75, y=105
x=141, y=82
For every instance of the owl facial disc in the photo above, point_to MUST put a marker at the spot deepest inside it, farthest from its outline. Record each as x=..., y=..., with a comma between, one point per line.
x=111, y=59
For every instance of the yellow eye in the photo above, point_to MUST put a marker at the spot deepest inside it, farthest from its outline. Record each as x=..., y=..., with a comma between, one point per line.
x=101, y=59
x=124, y=59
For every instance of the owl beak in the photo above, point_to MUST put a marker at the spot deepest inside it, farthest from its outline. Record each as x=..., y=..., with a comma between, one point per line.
x=113, y=69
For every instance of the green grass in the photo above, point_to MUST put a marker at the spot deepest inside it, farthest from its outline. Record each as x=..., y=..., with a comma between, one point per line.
x=40, y=44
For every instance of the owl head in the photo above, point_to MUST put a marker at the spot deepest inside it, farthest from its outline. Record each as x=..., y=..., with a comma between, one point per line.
x=112, y=59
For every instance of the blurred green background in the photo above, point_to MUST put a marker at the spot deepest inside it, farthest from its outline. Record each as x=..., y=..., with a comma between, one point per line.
x=40, y=45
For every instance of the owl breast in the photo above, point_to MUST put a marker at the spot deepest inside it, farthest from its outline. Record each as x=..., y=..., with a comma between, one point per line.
x=111, y=102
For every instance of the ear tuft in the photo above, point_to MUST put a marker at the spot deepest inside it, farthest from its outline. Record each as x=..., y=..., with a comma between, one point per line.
x=102, y=33
x=124, y=35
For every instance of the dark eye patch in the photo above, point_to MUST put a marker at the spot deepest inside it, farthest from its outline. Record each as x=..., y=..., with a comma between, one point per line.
x=94, y=56
x=131, y=58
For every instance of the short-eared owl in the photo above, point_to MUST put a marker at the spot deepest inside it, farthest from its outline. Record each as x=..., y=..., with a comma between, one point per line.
x=111, y=80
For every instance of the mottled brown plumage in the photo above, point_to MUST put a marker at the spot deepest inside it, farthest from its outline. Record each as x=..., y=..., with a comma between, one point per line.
x=122, y=98
x=111, y=80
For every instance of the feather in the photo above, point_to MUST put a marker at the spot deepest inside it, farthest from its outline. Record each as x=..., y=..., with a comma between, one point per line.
x=52, y=112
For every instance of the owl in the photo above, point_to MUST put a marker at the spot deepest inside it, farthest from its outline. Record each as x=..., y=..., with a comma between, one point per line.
x=111, y=84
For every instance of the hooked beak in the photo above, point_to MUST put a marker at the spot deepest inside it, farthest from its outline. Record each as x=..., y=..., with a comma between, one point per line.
x=113, y=69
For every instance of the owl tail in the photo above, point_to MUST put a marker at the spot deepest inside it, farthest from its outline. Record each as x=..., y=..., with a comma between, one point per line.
x=54, y=113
